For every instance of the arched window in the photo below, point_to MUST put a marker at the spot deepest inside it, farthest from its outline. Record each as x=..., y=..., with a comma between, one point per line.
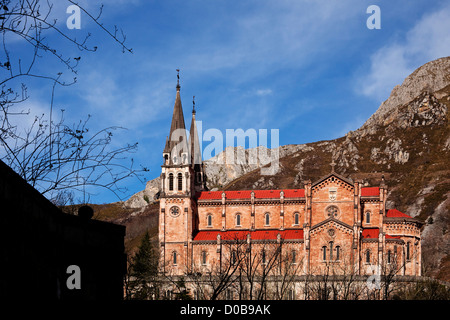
x=294, y=256
x=180, y=181
x=324, y=253
x=368, y=256
x=291, y=294
x=296, y=218
x=238, y=220
x=171, y=181
x=267, y=219
x=203, y=257
x=338, y=253
x=389, y=256
x=174, y=256
x=233, y=257
x=209, y=220
x=408, y=249
x=263, y=256
x=367, y=216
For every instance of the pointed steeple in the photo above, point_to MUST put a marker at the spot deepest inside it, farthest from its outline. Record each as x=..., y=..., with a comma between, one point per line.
x=194, y=143
x=177, y=130
x=167, y=148
x=177, y=117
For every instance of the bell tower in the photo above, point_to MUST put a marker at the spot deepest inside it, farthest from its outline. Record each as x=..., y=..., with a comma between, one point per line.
x=181, y=177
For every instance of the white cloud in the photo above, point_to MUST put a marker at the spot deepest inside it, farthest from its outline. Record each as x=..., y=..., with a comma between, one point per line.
x=263, y=92
x=132, y=106
x=274, y=35
x=427, y=40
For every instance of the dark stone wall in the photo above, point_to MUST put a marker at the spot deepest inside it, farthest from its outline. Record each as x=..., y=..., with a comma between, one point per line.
x=39, y=242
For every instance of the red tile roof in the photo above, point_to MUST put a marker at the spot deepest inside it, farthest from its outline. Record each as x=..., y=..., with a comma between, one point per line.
x=394, y=213
x=206, y=235
x=370, y=192
x=233, y=235
x=246, y=194
x=371, y=233
x=290, y=234
x=392, y=237
x=294, y=193
x=205, y=195
x=266, y=194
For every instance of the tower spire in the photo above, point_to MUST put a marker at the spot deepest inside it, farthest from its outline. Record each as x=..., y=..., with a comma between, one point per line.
x=194, y=143
x=177, y=136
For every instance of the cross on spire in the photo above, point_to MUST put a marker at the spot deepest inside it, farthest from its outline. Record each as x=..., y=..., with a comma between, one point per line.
x=193, y=104
x=178, y=79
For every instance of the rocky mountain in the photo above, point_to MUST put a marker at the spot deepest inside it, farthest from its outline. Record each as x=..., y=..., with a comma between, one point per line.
x=406, y=141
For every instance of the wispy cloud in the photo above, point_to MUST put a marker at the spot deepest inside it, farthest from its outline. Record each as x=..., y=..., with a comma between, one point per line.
x=427, y=40
x=263, y=92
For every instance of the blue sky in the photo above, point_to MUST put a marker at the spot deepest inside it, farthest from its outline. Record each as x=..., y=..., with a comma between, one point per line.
x=311, y=69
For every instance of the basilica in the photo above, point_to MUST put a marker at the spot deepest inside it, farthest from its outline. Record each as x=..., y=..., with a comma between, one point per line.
x=331, y=226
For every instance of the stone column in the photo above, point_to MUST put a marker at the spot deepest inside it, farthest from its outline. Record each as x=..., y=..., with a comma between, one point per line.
x=252, y=214
x=307, y=224
x=281, y=210
x=224, y=227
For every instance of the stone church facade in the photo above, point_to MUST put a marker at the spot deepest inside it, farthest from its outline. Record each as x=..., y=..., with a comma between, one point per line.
x=332, y=225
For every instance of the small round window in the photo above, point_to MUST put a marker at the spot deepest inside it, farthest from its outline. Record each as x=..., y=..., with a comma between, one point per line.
x=332, y=212
x=175, y=211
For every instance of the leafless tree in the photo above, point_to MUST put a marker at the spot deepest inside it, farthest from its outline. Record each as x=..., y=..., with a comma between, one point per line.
x=247, y=270
x=336, y=278
x=285, y=274
x=213, y=281
x=51, y=155
x=394, y=263
x=266, y=272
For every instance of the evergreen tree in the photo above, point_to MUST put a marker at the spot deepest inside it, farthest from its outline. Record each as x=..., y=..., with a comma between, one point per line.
x=144, y=271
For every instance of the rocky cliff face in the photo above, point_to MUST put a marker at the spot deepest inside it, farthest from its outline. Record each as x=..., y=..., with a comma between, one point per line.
x=146, y=196
x=407, y=140
x=432, y=77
